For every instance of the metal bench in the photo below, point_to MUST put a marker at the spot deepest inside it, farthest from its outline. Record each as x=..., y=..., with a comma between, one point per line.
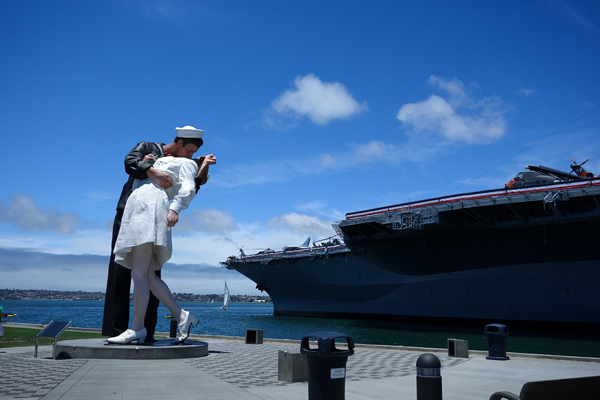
x=587, y=388
x=53, y=330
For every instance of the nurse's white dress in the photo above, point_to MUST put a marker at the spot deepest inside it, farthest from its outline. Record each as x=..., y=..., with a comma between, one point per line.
x=145, y=215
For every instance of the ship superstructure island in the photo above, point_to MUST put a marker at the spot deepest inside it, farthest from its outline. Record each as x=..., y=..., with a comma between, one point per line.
x=527, y=252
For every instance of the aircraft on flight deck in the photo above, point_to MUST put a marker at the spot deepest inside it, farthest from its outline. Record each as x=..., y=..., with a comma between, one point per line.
x=538, y=175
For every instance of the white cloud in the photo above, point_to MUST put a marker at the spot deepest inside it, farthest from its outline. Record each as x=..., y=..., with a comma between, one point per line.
x=218, y=237
x=262, y=172
x=189, y=15
x=22, y=211
x=302, y=223
x=320, y=208
x=97, y=196
x=86, y=241
x=457, y=118
x=356, y=154
x=213, y=220
x=454, y=87
x=320, y=102
x=527, y=92
x=80, y=262
x=327, y=160
x=172, y=10
x=375, y=150
x=574, y=15
x=22, y=269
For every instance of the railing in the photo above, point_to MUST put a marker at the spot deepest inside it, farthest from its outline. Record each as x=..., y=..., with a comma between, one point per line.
x=321, y=251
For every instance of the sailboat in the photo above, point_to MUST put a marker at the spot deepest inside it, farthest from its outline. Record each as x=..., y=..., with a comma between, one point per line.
x=225, y=298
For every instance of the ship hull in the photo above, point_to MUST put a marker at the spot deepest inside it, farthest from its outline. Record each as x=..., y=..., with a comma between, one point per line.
x=512, y=257
x=346, y=286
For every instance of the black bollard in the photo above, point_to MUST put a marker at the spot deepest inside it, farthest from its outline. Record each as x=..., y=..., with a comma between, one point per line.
x=173, y=328
x=429, y=378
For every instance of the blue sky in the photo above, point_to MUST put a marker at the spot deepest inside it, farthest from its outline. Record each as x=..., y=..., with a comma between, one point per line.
x=313, y=109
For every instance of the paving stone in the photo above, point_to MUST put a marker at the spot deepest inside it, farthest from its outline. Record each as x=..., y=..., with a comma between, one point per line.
x=26, y=377
x=247, y=366
x=243, y=365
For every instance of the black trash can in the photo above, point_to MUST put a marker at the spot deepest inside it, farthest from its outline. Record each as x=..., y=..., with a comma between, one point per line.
x=496, y=334
x=327, y=364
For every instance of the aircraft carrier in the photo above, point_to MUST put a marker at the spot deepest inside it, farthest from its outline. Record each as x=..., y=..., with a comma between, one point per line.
x=526, y=253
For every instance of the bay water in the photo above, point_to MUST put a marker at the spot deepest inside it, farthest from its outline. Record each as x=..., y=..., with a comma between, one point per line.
x=241, y=316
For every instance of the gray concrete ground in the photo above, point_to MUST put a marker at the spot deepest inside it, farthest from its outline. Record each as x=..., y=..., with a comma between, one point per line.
x=235, y=370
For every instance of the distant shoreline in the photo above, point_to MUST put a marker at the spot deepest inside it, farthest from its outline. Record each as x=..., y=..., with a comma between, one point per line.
x=38, y=294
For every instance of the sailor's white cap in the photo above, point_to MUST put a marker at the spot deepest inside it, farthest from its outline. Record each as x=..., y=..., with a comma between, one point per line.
x=189, y=131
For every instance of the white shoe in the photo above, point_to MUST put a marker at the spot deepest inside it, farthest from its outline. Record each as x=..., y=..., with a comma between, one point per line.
x=184, y=327
x=129, y=336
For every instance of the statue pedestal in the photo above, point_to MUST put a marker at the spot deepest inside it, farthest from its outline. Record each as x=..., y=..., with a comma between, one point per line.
x=161, y=349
